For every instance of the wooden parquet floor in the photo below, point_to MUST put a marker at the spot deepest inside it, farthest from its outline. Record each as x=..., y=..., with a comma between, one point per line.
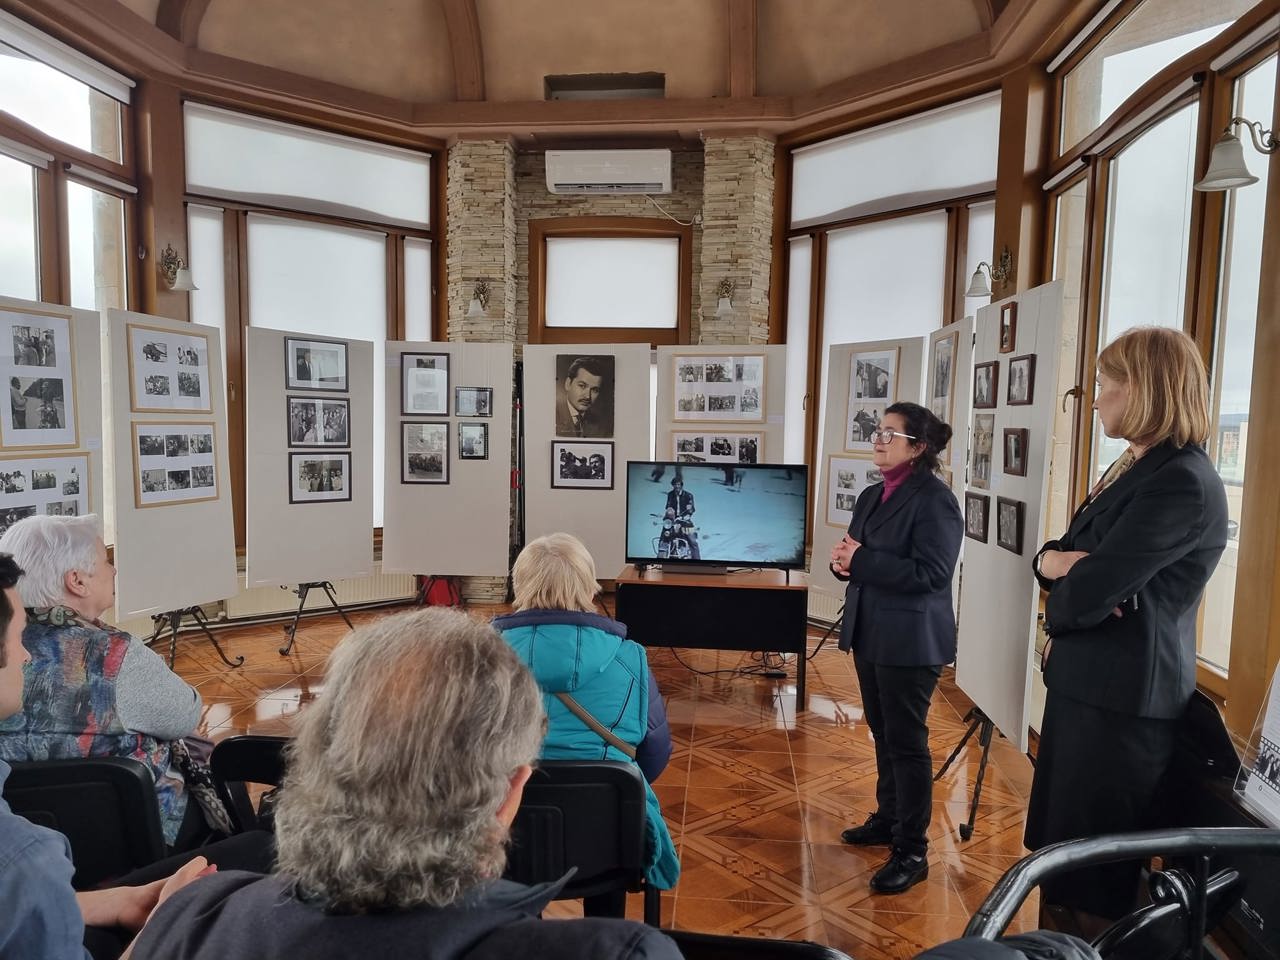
x=756, y=795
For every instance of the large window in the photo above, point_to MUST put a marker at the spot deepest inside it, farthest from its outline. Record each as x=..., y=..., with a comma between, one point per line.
x=96, y=229
x=19, y=259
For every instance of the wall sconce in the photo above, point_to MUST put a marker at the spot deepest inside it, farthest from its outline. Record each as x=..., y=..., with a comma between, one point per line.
x=1227, y=169
x=978, y=286
x=174, y=270
x=478, y=307
x=724, y=306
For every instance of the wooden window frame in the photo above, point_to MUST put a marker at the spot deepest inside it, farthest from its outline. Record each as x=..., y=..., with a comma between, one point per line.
x=542, y=229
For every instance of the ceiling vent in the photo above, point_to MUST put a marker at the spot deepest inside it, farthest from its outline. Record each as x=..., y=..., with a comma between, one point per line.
x=609, y=172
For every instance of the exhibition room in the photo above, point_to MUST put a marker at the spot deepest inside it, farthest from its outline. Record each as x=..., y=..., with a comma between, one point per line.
x=703, y=478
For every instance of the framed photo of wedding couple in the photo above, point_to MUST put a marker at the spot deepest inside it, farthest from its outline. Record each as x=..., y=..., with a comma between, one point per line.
x=168, y=371
x=38, y=363
x=174, y=463
x=51, y=484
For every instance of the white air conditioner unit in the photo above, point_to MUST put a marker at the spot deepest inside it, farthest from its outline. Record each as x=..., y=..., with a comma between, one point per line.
x=609, y=171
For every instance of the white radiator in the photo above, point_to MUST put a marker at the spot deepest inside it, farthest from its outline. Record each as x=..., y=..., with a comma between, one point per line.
x=270, y=601
x=824, y=607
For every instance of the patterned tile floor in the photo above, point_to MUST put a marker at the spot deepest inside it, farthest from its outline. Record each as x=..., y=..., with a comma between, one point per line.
x=756, y=795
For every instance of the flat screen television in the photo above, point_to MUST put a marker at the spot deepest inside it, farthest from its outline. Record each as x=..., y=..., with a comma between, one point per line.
x=730, y=515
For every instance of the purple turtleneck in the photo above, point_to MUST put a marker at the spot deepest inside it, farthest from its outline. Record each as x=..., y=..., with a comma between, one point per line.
x=894, y=477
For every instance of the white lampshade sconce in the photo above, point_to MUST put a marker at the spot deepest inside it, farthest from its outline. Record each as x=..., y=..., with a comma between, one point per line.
x=174, y=270
x=724, y=301
x=1227, y=169
x=479, y=305
x=978, y=283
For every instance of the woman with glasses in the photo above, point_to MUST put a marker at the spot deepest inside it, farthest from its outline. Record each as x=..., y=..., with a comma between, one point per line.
x=899, y=557
x=1124, y=586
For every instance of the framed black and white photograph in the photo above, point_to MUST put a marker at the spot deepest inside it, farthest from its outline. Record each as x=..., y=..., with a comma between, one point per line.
x=1009, y=515
x=582, y=464
x=424, y=384
x=976, y=509
x=717, y=447
x=942, y=376
x=473, y=441
x=1009, y=327
x=315, y=422
x=168, y=371
x=984, y=428
x=54, y=484
x=847, y=477
x=1015, y=450
x=37, y=361
x=319, y=477
x=584, y=395
x=1021, y=388
x=873, y=385
x=315, y=364
x=174, y=463
x=424, y=452
x=473, y=401
x=711, y=387
x=863, y=420
x=986, y=382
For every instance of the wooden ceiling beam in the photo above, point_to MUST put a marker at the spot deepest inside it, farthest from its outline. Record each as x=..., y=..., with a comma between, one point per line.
x=468, y=55
x=181, y=19
x=742, y=48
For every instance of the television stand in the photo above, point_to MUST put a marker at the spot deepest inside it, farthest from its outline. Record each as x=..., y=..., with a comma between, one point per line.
x=714, y=569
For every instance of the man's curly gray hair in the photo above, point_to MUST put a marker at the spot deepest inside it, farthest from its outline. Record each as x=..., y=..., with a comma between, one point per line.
x=398, y=769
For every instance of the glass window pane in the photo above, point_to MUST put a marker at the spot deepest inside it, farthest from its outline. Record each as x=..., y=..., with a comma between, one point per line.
x=95, y=230
x=324, y=280
x=59, y=105
x=800, y=252
x=1233, y=359
x=1143, y=44
x=609, y=282
x=19, y=268
x=417, y=289
x=1144, y=279
x=205, y=244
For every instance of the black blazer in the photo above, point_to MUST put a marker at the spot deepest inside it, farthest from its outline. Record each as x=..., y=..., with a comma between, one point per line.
x=897, y=608
x=1153, y=539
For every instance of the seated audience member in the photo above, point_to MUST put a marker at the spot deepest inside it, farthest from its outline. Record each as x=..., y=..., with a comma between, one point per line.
x=42, y=916
x=405, y=776
x=601, y=700
x=92, y=690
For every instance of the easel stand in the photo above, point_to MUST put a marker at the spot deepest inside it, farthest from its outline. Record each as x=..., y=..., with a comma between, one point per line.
x=978, y=721
x=174, y=620
x=301, y=591
x=835, y=625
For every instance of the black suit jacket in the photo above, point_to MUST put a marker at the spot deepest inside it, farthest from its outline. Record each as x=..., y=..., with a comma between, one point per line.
x=897, y=608
x=1153, y=539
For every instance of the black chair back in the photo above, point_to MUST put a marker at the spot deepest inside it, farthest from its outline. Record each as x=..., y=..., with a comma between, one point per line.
x=588, y=814
x=237, y=761
x=105, y=806
x=707, y=946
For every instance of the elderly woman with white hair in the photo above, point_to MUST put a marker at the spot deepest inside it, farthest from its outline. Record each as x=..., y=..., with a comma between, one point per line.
x=391, y=827
x=92, y=690
x=601, y=699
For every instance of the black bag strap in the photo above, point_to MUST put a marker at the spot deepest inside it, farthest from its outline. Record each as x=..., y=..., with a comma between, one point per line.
x=609, y=737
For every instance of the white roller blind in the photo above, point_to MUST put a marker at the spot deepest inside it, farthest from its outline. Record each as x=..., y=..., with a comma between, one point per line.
x=38, y=46
x=417, y=289
x=612, y=282
x=800, y=252
x=204, y=243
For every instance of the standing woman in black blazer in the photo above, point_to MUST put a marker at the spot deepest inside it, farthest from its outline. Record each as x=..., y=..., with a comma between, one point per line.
x=899, y=557
x=1124, y=585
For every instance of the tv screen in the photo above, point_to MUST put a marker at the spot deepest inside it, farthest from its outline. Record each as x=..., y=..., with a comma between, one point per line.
x=736, y=514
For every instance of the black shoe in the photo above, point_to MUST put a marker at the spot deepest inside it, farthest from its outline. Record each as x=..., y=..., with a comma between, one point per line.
x=876, y=832
x=902, y=872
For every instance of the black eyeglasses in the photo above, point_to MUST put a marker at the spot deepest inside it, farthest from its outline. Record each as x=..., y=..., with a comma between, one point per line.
x=887, y=434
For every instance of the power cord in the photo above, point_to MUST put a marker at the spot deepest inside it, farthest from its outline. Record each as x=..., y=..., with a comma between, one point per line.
x=695, y=219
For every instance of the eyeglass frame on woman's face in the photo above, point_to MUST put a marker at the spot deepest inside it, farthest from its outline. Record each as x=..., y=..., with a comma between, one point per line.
x=878, y=435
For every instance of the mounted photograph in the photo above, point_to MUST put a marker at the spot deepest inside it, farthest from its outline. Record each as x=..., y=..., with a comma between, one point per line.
x=976, y=506
x=313, y=422
x=37, y=360
x=174, y=463
x=1015, y=450
x=1021, y=388
x=473, y=441
x=319, y=477
x=1009, y=515
x=424, y=384
x=168, y=371
x=315, y=364
x=473, y=401
x=424, y=452
x=581, y=465
x=986, y=381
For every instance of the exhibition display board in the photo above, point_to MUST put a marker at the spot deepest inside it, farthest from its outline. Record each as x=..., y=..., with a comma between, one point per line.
x=308, y=458
x=1015, y=367
x=586, y=410
x=447, y=476
x=863, y=379
x=169, y=465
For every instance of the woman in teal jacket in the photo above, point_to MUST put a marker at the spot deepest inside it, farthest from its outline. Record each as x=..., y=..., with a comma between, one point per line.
x=574, y=651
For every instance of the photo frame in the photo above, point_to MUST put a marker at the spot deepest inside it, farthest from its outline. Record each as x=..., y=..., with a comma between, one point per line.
x=584, y=395
x=847, y=477
x=424, y=452
x=873, y=385
x=473, y=401
x=1009, y=524
x=37, y=359
x=582, y=464
x=1008, y=335
x=986, y=385
x=473, y=441
x=976, y=509
x=52, y=484
x=424, y=384
x=168, y=371
x=718, y=387
x=311, y=364
x=1020, y=391
x=174, y=463
x=715, y=446
x=942, y=377
x=323, y=477
x=984, y=428
x=318, y=421
x=1015, y=450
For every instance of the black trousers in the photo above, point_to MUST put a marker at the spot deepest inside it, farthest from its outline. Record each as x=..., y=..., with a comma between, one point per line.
x=1097, y=772
x=895, y=701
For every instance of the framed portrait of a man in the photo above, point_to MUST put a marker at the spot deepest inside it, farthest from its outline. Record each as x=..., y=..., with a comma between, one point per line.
x=584, y=395
x=1015, y=450
x=315, y=364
